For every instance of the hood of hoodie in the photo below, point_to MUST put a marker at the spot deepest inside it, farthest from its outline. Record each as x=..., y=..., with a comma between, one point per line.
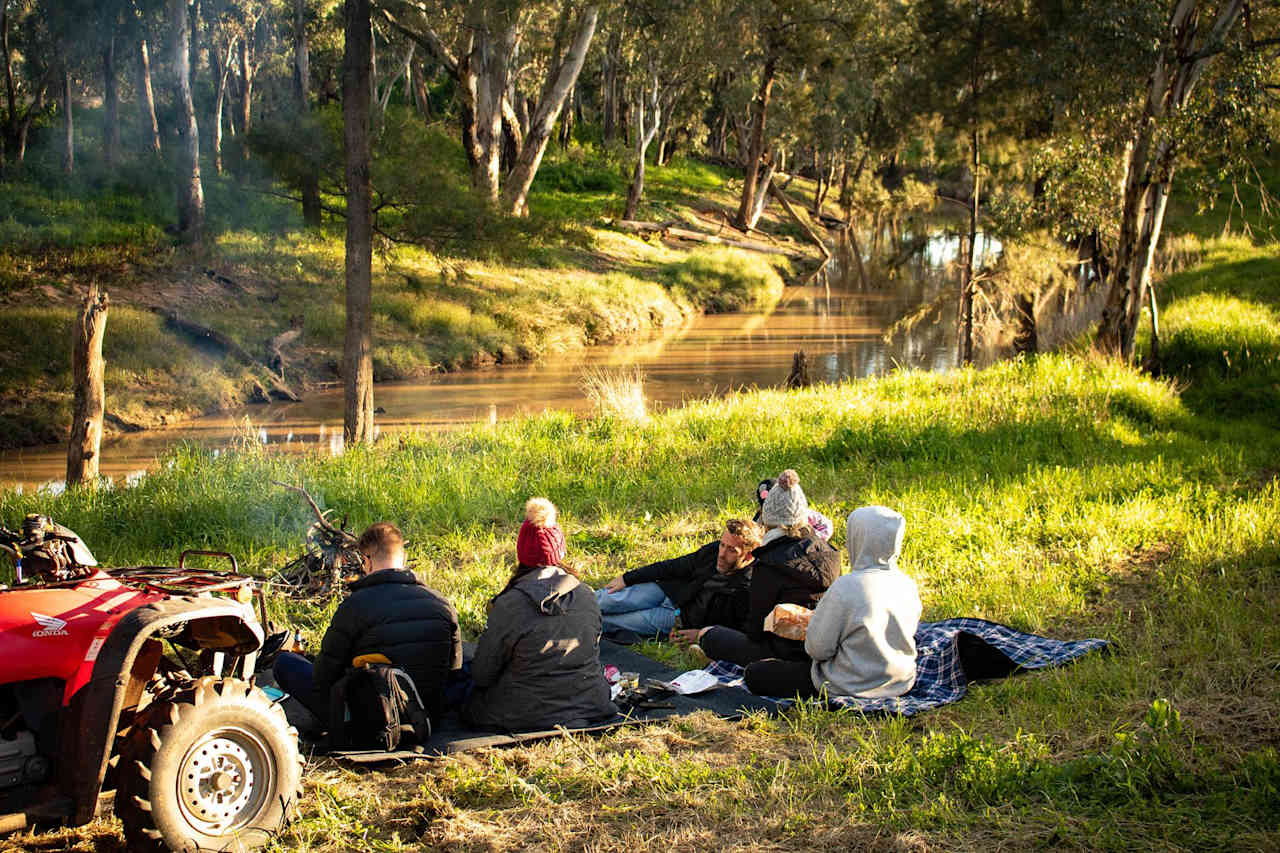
x=548, y=588
x=873, y=535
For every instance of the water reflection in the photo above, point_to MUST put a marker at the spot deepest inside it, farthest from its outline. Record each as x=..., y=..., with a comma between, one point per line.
x=905, y=287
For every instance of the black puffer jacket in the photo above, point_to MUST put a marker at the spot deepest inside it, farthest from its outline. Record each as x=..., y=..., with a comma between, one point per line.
x=704, y=596
x=537, y=664
x=789, y=570
x=392, y=613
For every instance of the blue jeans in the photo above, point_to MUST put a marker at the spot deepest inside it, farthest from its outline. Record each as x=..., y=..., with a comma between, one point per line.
x=643, y=609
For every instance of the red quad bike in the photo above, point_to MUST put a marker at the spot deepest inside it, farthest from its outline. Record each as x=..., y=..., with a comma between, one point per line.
x=137, y=681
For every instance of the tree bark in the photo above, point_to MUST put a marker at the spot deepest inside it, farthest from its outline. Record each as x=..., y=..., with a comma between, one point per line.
x=110, y=104
x=357, y=372
x=311, y=211
x=645, y=131
x=559, y=84
x=90, y=400
x=223, y=71
x=965, y=342
x=1150, y=166
x=147, y=100
x=247, y=69
x=745, y=220
x=190, y=189
x=609, y=99
x=68, y=127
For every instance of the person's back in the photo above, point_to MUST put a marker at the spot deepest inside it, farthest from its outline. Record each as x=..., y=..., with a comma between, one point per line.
x=390, y=612
x=537, y=664
x=387, y=612
x=862, y=634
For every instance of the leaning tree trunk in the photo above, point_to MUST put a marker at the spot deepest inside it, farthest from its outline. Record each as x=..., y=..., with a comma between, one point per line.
x=146, y=98
x=110, y=104
x=89, y=405
x=755, y=151
x=68, y=127
x=302, y=94
x=516, y=196
x=190, y=189
x=357, y=358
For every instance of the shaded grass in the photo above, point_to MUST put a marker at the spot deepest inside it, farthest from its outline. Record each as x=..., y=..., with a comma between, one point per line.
x=1221, y=328
x=1066, y=495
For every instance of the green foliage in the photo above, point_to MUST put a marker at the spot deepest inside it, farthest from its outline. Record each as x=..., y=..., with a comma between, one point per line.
x=724, y=280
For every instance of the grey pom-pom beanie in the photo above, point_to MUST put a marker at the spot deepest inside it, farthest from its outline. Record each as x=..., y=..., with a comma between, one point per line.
x=786, y=505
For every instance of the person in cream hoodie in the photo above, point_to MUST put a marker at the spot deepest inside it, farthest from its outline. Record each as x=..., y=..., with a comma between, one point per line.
x=861, y=638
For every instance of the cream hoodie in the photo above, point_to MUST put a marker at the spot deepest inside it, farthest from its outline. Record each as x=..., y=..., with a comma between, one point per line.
x=862, y=634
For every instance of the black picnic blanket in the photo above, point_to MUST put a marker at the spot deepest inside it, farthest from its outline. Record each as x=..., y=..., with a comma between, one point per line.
x=729, y=702
x=949, y=655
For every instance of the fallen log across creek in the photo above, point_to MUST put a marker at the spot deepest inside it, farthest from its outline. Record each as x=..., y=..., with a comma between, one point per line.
x=277, y=388
x=670, y=229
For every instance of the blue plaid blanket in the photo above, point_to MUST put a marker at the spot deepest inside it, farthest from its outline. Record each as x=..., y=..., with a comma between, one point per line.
x=940, y=678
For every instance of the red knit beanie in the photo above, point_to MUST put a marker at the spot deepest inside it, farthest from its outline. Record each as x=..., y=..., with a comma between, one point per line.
x=541, y=541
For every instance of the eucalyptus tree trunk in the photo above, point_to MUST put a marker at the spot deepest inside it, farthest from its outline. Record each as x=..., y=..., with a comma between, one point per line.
x=964, y=343
x=554, y=94
x=247, y=69
x=311, y=212
x=221, y=70
x=110, y=104
x=68, y=126
x=357, y=358
x=646, y=129
x=1188, y=48
x=89, y=399
x=755, y=147
x=190, y=189
x=609, y=95
x=485, y=72
x=146, y=98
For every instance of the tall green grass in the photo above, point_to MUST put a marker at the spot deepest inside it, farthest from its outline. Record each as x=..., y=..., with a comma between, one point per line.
x=1065, y=495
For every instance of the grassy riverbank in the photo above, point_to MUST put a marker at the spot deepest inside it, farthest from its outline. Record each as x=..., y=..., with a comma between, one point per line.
x=513, y=290
x=1065, y=495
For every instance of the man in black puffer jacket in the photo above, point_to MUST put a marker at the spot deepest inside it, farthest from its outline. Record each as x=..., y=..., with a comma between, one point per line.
x=388, y=612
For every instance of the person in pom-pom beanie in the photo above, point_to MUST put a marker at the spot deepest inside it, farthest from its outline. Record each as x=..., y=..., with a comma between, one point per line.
x=537, y=664
x=794, y=565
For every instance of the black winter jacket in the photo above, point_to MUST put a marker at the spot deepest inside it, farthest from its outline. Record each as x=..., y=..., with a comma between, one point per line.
x=789, y=570
x=704, y=596
x=537, y=664
x=391, y=612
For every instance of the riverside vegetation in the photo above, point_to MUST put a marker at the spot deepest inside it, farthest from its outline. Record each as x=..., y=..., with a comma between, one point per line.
x=503, y=291
x=1066, y=494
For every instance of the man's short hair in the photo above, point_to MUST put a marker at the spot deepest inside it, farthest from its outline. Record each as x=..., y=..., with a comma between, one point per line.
x=383, y=538
x=746, y=530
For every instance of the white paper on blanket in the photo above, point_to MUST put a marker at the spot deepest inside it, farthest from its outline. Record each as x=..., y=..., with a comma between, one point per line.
x=790, y=621
x=693, y=681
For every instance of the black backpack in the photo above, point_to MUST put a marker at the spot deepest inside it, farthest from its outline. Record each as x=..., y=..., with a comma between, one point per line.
x=382, y=707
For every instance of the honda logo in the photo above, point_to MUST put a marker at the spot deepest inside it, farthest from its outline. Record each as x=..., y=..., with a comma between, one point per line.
x=50, y=626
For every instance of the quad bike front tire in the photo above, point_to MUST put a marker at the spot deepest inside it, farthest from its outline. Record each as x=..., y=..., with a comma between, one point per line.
x=214, y=766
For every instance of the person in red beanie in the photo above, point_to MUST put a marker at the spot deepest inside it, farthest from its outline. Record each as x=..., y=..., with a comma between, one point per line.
x=537, y=664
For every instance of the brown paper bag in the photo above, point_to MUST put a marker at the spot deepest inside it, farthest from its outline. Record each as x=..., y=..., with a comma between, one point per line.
x=789, y=621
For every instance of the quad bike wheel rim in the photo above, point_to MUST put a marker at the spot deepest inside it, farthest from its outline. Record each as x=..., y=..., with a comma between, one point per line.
x=224, y=779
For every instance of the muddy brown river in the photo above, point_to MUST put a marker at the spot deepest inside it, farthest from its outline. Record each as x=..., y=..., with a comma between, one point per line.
x=841, y=327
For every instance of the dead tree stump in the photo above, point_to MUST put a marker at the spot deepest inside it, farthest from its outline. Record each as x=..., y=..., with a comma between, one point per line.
x=799, y=376
x=90, y=400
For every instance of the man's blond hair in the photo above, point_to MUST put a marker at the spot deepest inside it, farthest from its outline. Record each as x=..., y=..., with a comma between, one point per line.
x=746, y=530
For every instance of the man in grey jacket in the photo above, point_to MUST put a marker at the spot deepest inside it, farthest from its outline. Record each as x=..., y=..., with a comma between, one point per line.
x=861, y=639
